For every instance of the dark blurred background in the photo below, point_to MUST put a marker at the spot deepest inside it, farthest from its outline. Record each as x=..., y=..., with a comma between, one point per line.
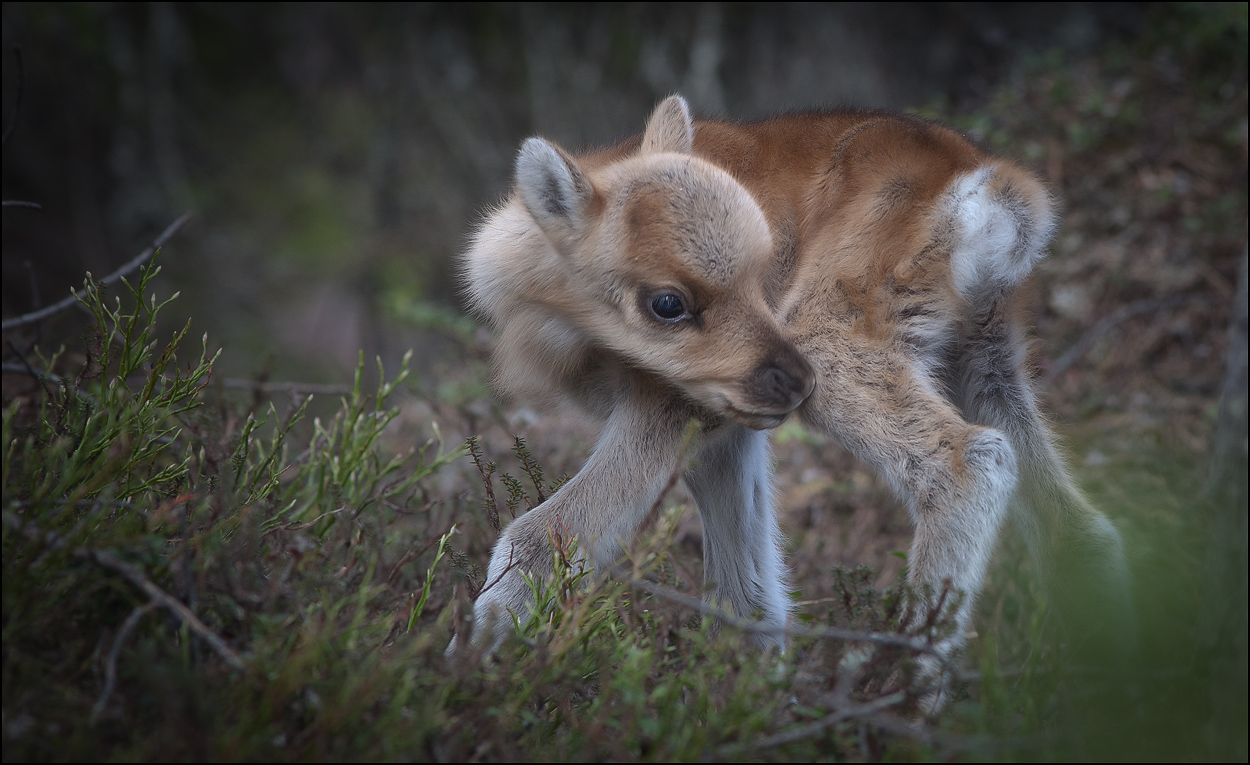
x=334, y=156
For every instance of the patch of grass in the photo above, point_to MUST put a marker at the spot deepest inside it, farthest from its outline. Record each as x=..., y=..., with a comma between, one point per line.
x=187, y=578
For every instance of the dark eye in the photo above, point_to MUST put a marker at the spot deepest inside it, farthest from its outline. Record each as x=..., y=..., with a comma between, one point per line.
x=667, y=306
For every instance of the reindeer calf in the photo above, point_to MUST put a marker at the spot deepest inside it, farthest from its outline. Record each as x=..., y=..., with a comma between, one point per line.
x=858, y=268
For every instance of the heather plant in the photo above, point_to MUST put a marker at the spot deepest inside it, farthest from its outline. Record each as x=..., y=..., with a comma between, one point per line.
x=188, y=576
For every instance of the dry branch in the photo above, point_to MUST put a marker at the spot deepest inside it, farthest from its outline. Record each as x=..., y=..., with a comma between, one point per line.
x=692, y=430
x=134, y=263
x=491, y=506
x=110, y=663
x=858, y=711
x=1078, y=349
x=304, y=525
x=411, y=556
x=137, y=578
x=27, y=369
x=278, y=387
x=489, y=584
x=292, y=388
x=759, y=628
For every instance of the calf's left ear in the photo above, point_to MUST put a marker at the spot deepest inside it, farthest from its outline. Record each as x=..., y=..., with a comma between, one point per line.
x=555, y=190
x=670, y=128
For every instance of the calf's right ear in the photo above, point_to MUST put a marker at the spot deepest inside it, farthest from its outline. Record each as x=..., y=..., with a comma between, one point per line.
x=555, y=190
x=669, y=128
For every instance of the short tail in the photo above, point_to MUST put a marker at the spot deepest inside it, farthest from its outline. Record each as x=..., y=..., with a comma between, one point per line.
x=1001, y=219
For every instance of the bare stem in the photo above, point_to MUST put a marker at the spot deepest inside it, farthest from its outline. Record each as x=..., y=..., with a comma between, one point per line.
x=857, y=711
x=1108, y=323
x=110, y=662
x=288, y=387
x=492, y=508
x=159, y=596
x=134, y=263
x=754, y=627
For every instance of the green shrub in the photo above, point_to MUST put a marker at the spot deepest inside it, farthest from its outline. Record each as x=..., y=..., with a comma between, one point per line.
x=183, y=580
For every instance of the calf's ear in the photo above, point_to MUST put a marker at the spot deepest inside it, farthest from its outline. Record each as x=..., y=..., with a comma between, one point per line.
x=669, y=128
x=555, y=190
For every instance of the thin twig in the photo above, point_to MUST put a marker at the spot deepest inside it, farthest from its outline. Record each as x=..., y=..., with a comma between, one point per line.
x=760, y=628
x=137, y=578
x=20, y=203
x=952, y=741
x=291, y=388
x=511, y=565
x=654, y=513
x=110, y=662
x=279, y=387
x=427, y=506
x=935, y=611
x=1079, y=348
x=818, y=601
x=134, y=263
x=692, y=429
x=816, y=727
x=976, y=676
x=39, y=375
x=531, y=467
x=188, y=575
x=411, y=556
x=27, y=369
x=492, y=507
x=21, y=90
x=306, y=525
x=78, y=503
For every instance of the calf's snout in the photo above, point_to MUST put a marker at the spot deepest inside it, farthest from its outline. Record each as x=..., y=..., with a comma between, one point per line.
x=782, y=382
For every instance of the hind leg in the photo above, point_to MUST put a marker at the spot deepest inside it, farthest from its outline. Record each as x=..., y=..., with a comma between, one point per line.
x=955, y=477
x=742, y=563
x=1078, y=551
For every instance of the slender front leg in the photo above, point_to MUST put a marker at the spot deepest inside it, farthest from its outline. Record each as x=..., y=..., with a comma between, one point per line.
x=602, y=505
x=742, y=563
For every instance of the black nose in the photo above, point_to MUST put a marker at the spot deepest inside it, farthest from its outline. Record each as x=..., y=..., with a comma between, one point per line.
x=781, y=383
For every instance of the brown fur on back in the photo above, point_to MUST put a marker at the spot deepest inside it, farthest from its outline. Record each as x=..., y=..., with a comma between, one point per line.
x=849, y=196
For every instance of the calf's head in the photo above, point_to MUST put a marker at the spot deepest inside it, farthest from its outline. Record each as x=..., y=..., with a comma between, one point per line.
x=662, y=261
